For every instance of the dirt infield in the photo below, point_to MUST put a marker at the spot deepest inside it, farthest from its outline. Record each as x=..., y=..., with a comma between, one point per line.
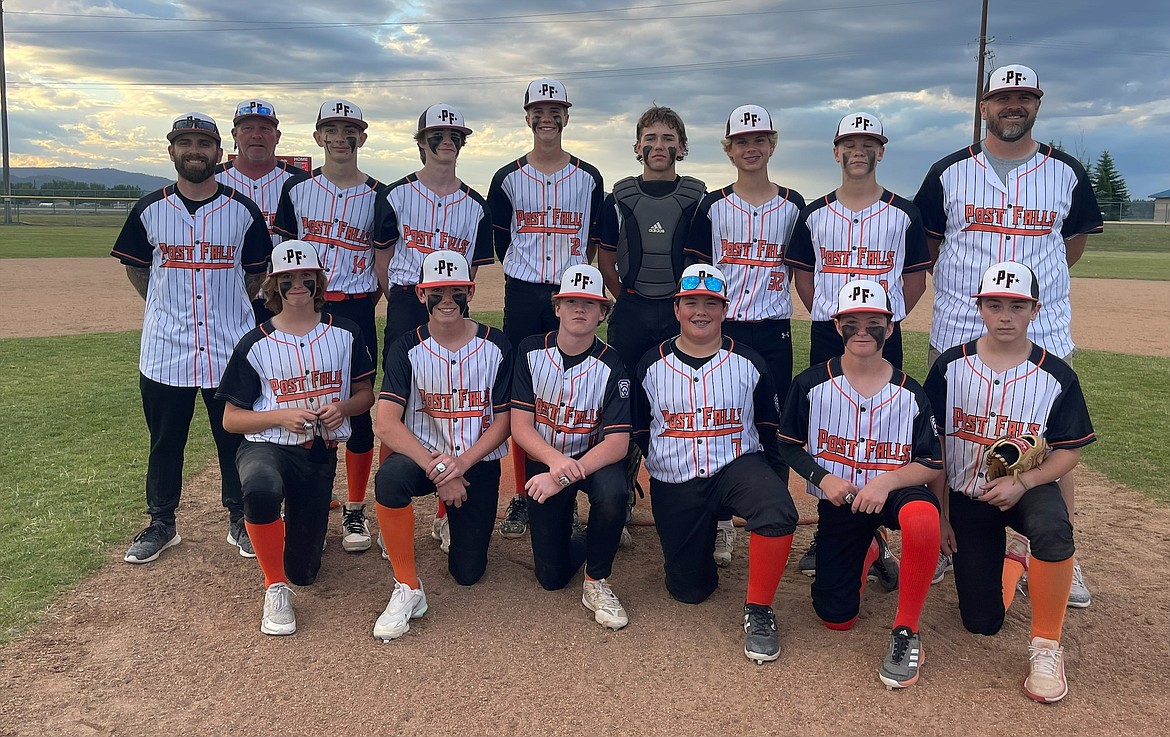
x=174, y=647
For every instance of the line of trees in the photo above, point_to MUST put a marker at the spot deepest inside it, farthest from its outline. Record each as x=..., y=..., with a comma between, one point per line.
x=68, y=188
x=1109, y=186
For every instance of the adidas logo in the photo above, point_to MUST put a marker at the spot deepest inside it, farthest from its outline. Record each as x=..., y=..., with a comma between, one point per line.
x=656, y=228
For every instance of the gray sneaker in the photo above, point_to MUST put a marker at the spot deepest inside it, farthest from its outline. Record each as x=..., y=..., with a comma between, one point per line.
x=761, y=641
x=515, y=521
x=279, y=618
x=808, y=561
x=945, y=563
x=903, y=661
x=1079, y=596
x=885, y=569
x=150, y=543
x=238, y=536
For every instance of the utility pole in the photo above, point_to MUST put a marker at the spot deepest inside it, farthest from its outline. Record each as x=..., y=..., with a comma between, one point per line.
x=4, y=122
x=978, y=134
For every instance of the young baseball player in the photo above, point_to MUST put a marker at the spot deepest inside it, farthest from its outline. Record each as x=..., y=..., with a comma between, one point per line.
x=291, y=386
x=871, y=450
x=1008, y=198
x=703, y=413
x=644, y=227
x=443, y=411
x=571, y=415
x=1003, y=384
x=744, y=229
x=195, y=251
x=334, y=210
x=256, y=173
x=544, y=211
x=430, y=210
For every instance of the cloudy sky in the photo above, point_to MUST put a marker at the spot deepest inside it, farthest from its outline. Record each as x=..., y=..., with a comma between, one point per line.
x=96, y=83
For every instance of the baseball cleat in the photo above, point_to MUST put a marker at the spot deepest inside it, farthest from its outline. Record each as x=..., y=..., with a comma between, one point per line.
x=945, y=563
x=599, y=598
x=279, y=618
x=808, y=561
x=405, y=604
x=761, y=641
x=238, y=536
x=724, y=542
x=1046, y=682
x=440, y=530
x=1079, y=596
x=903, y=661
x=884, y=569
x=354, y=529
x=515, y=521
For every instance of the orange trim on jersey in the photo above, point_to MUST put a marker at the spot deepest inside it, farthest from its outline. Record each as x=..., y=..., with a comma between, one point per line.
x=867, y=270
x=324, y=391
x=548, y=229
x=324, y=240
x=450, y=414
x=566, y=429
x=972, y=437
x=1004, y=230
x=701, y=433
x=740, y=261
x=195, y=265
x=864, y=465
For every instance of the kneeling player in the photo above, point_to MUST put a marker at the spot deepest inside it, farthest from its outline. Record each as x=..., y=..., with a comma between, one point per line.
x=290, y=388
x=443, y=411
x=1003, y=384
x=703, y=413
x=571, y=415
x=871, y=449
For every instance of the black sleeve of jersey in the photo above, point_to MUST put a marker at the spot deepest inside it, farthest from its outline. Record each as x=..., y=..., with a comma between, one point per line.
x=502, y=386
x=607, y=224
x=284, y=223
x=927, y=449
x=699, y=237
x=640, y=400
x=936, y=391
x=1069, y=426
x=1084, y=215
x=595, y=200
x=257, y=242
x=501, y=212
x=397, y=374
x=917, y=257
x=386, y=232
x=240, y=384
x=615, y=407
x=523, y=395
x=800, y=253
x=793, y=435
x=133, y=246
x=481, y=250
x=361, y=366
x=796, y=198
x=929, y=202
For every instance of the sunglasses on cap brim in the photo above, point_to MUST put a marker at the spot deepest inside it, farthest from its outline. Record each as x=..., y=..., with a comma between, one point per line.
x=195, y=124
x=712, y=283
x=255, y=109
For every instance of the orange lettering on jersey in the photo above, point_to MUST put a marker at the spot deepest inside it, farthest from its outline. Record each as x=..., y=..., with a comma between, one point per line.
x=713, y=417
x=832, y=258
x=218, y=253
x=563, y=222
x=529, y=219
x=751, y=253
x=1035, y=218
x=968, y=423
x=174, y=252
x=418, y=239
x=475, y=398
x=1006, y=426
x=776, y=281
x=884, y=451
x=835, y=444
x=316, y=227
x=347, y=232
x=448, y=242
x=678, y=420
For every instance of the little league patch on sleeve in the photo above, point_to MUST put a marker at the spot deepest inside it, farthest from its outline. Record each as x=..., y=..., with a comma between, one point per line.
x=624, y=388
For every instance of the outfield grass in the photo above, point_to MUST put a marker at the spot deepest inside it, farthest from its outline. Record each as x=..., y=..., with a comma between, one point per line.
x=72, y=487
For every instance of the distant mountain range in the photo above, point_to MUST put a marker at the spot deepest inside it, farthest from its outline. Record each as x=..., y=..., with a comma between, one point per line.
x=37, y=175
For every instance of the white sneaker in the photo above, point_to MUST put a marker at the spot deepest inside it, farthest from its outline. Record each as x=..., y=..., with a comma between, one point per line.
x=355, y=532
x=626, y=540
x=599, y=598
x=382, y=545
x=1079, y=596
x=405, y=604
x=279, y=618
x=945, y=563
x=1046, y=682
x=441, y=531
x=724, y=542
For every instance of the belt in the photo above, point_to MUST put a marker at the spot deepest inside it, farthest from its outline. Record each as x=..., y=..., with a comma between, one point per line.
x=330, y=444
x=404, y=287
x=342, y=296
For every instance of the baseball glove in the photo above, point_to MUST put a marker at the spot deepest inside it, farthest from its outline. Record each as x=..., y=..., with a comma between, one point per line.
x=1015, y=455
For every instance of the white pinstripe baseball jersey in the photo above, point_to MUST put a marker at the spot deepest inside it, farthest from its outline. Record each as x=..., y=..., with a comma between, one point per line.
x=415, y=221
x=449, y=399
x=265, y=191
x=747, y=243
x=544, y=223
x=575, y=400
x=983, y=221
x=340, y=222
x=197, y=307
x=270, y=369
x=856, y=437
x=974, y=405
x=698, y=415
x=882, y=242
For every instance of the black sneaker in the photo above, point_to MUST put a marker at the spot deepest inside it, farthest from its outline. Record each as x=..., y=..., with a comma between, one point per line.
x=762, y=641
x=515, y=521
x=150, y=543
x=808, y=562
x=885, y=568
x=902, y=663
x=238, y=536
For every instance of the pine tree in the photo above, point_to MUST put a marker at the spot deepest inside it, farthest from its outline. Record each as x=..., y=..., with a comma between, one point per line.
x=1109, y=186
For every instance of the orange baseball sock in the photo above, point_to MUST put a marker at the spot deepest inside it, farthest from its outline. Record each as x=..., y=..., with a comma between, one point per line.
x=920, y=541
x=397, y=527
x=1013, y=571
x=384, y=452
x=767, y=557
x=870, y=556
x=1048, y=586
x=519, y=472
x=357, y=473
x=441, y=510
x=268, y=542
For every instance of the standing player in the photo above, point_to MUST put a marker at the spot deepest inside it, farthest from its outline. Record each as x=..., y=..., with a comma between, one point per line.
x=743, y=229
x=571, y=415
x=871, y=450
x=194, y=250
x=291, y=386
x=256, y=173
x=544, y=208
x=703, y=412
x=443, y=411
x=1008, y=198
x=644, y=227
x=334, y=210
x=1004, y=384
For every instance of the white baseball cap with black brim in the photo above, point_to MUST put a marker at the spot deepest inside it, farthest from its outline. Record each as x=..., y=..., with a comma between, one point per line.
x=860, y=124
x=294, y=255
x=442, y=115
x=582, y=281
x=1009, y=280
x=861, y=296
x=445, y=269
x=255, y=109
x=702, y=280
x=194, y=123
x=340, y=111
x=1013, y=77
x=748, y=119
x=546, y=90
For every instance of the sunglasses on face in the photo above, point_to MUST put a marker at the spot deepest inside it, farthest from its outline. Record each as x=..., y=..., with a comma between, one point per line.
x=711, y=283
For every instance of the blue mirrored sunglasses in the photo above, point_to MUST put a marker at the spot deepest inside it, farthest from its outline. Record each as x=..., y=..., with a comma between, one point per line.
x=194, y=124
x=255, y=108
x=711, y=283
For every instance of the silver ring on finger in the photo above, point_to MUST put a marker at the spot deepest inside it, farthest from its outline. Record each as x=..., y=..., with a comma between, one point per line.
x=564, y=481
x=441, y=467
x=850, y=497
x=307, y=425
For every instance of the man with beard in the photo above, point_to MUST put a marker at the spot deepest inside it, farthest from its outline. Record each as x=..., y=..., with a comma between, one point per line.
x=195, y=250
x=1008, y=198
